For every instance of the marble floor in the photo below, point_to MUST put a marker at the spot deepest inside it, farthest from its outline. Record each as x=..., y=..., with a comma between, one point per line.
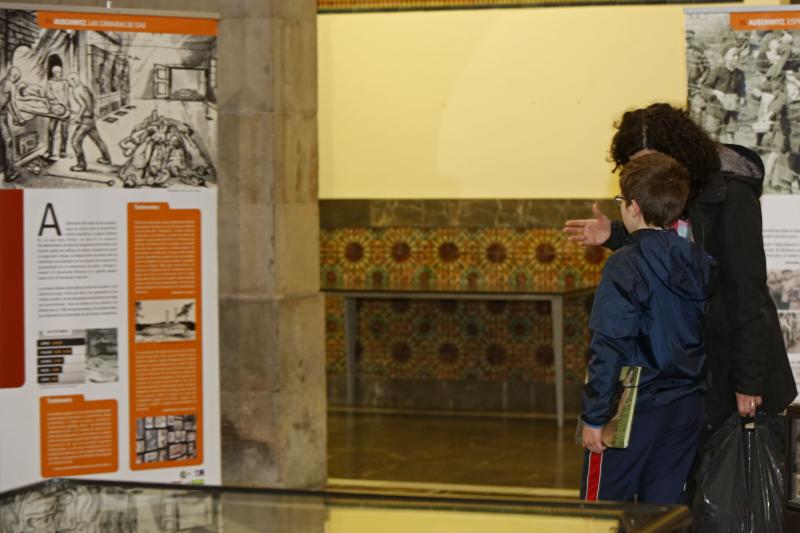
x=446, y=449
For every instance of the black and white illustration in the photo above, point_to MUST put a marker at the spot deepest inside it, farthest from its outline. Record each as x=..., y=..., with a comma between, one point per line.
x=165, y=320
x=75, y=357
x=784, y=286
x=744, y=88
x=84, y=508
x=105, y=109
x=177, y=440
x=790, y=327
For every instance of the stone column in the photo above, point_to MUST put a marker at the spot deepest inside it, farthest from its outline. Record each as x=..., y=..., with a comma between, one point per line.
x=271, y=312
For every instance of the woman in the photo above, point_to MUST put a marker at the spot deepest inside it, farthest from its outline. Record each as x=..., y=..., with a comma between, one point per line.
x=748, y=368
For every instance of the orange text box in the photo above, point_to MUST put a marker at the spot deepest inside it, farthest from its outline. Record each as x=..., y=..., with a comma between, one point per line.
x=78, y=437
x=166, y=356
x=769, y=20
x=60, y=20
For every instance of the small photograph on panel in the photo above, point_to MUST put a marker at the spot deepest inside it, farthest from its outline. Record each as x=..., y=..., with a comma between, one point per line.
x=790, y=327
x=162, y=438
x=177, y=451
x=151, y=438
x=101, y=355
x=165, y=321
x=784, y=286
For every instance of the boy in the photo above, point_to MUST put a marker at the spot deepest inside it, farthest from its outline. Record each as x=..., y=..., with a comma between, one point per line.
x=648, y=312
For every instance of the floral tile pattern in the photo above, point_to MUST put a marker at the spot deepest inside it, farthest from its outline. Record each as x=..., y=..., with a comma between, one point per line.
x=457, y=339
x=455, y=259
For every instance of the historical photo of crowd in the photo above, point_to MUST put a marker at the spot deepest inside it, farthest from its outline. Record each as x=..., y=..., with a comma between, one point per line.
x=784, y=285
x=105, y=109
x=165, y=320
x=166, y=438
x=744, y=88
x=790, y=326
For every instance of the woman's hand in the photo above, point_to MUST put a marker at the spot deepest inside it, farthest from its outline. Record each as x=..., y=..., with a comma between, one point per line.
x=593, y=439
x=589, y=232
x=747, y=404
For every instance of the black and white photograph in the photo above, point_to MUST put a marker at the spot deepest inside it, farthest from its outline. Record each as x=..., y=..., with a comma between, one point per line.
x=169, y=442
x=177, y=451
x=162, y=438
x=744, y=88
x=165, y=321
x=151, y=440
x=106, y=109
x=101, y=355
x=784, y=286
x=790, y=327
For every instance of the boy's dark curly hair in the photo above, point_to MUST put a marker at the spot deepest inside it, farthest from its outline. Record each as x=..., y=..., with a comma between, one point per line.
x=668, y=130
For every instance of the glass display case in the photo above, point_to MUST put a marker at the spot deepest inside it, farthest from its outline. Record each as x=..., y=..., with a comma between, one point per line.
x=66, y=506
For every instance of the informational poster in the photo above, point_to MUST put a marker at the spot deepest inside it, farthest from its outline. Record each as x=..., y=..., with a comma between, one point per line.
x=743, y=69
x=109, y=351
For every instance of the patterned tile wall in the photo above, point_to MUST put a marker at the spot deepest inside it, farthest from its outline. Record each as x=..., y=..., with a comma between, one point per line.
x=449, y=339
x=455, y=259
x=459, y=340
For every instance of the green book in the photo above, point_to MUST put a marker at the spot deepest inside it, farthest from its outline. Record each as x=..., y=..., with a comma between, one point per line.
x=617, y=432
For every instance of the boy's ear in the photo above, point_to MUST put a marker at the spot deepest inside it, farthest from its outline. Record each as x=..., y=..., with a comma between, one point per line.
x=636, y=211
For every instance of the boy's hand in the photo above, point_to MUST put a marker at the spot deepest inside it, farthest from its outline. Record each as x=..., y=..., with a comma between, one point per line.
x=593, y=439
x=591, y=231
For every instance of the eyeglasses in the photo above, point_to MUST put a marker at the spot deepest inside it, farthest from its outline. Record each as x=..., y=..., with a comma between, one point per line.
x=619, y=199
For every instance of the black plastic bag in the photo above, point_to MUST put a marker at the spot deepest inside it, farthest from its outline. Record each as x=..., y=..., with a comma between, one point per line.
x=740, y=482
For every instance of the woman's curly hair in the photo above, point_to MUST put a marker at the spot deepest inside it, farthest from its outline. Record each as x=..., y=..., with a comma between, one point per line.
x=668, y=130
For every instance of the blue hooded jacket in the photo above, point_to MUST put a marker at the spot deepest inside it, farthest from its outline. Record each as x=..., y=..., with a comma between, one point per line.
x=649, y=311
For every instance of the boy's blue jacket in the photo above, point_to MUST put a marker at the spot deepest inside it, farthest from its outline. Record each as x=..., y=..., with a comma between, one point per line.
x=649, y=311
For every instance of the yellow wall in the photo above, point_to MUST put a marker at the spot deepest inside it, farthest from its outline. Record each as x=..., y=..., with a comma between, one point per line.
x=506, y=103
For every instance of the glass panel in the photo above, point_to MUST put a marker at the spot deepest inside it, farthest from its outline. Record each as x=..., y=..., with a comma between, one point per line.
x=70, y=505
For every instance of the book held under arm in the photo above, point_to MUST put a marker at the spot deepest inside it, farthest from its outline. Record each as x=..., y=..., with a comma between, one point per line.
x=617, y=432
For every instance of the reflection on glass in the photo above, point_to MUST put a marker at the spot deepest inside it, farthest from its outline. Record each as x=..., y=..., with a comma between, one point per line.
x=67, y=506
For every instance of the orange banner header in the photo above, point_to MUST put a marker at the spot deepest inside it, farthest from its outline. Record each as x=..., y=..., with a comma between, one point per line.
x=57, y=20
x=770, y=20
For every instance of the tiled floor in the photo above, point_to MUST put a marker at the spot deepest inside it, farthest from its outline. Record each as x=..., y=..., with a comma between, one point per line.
x=467, y=450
